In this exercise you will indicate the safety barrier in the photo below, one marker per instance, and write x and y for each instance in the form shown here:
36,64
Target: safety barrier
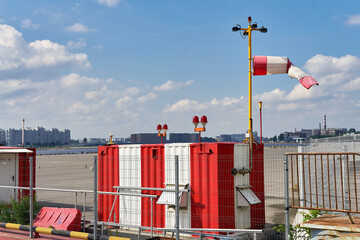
64,233
60,218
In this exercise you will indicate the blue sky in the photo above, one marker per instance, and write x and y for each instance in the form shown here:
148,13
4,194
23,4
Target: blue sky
124,66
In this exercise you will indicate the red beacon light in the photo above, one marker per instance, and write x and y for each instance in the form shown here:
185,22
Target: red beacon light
195,121
159,128
200,129
204,121
165,128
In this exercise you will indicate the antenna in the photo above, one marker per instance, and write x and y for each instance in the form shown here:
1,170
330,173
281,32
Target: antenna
23,133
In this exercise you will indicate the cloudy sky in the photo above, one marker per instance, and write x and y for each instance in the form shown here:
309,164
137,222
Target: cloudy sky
124,66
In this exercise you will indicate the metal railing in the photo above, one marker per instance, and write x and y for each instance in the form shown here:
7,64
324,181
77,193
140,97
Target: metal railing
322,181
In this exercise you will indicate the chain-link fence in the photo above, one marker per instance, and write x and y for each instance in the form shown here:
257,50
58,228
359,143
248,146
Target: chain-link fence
212,199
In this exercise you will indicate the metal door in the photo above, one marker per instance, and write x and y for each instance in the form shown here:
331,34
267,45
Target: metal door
7,176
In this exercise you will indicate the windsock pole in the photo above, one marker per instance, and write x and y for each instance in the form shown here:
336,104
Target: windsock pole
247,32
251,137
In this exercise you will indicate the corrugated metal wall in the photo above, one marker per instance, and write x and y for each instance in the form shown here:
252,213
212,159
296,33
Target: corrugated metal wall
257,211
152,175
212,185
130,176
183,151
108,176
241,160
24,171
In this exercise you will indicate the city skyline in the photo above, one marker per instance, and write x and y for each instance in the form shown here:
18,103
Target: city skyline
97,67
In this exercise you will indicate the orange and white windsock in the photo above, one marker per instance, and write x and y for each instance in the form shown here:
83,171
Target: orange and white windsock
266,65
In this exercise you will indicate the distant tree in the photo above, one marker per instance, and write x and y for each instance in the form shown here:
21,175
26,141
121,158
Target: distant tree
274,139
281,137
85,140
208,139
352,130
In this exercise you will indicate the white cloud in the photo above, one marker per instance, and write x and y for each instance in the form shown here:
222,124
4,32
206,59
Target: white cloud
185,105
74,80
11,85
287,106
274,95
17,54
79,28
300,93
355,103
354,20
324,65
81,43
352,85
123,102
91,94
47,53
171,85
131,91
148,97
109,3
226,101
26,23
79,108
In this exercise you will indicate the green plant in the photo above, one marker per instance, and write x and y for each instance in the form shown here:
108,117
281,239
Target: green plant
5,212
297,232
18,211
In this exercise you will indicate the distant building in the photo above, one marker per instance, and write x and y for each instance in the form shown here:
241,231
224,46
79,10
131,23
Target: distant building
292,136
97,141
316,132
38,137
333,131
307,132
183,137
225,138
236,137
2,136
149,138
146,138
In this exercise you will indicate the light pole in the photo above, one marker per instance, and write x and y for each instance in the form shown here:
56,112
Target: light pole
164,128
247,32
260,108
196,123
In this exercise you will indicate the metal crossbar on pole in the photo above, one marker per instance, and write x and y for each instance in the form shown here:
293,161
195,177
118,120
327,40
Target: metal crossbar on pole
31,196
95,198
286,185
177,226
152,189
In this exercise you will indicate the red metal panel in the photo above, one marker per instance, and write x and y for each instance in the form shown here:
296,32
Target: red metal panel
212,185
108,176
24,171
257,211
152,175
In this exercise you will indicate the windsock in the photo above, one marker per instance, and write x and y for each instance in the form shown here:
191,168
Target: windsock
266,65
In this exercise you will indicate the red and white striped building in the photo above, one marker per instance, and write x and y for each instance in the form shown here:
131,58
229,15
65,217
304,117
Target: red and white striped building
216,197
